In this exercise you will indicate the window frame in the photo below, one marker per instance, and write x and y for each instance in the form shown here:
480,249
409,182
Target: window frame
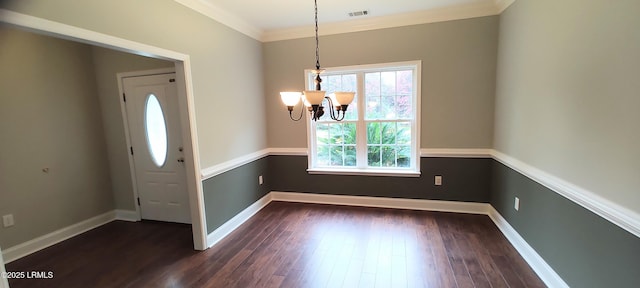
360,70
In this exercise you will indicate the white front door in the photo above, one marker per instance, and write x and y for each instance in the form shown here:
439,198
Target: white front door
156,140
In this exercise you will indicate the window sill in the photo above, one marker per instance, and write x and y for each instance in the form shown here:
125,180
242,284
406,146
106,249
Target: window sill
364,172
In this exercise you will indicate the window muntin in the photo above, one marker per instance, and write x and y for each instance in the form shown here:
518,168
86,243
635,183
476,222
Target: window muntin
381,137
336,144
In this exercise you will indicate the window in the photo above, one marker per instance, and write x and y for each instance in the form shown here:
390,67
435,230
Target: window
379,134
155,130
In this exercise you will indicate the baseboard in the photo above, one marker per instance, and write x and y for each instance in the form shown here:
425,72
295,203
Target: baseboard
544,271
16,252
613,212
4,283
396,203
235,222
127,215
382,202
537,263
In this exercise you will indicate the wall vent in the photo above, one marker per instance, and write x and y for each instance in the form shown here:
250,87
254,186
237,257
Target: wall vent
359,13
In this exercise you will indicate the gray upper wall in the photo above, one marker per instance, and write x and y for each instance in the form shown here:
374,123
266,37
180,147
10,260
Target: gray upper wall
458,77
226,65
49,118
567,92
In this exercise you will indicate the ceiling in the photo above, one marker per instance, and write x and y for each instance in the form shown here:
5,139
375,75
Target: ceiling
269,20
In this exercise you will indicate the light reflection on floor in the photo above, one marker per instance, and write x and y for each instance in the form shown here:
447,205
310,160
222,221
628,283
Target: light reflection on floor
344,249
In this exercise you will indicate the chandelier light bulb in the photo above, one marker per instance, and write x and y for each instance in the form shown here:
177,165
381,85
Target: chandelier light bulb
290,99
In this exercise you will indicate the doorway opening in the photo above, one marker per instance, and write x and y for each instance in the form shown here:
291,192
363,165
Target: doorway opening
185,99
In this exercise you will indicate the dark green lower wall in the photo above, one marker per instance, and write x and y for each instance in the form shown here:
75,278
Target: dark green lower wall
229,193
464,179
583,248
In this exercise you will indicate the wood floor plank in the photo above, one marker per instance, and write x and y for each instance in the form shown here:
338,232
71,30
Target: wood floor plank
444,269
510,276
291,245
470,258
274,282
353,273
486,263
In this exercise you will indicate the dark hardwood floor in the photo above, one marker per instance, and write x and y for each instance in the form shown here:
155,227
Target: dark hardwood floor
291,245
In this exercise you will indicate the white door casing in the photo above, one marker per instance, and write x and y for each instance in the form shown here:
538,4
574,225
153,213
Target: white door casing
160,180
3,280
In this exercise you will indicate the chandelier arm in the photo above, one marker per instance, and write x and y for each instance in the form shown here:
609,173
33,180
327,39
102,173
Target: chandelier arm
337,117
301,113
331,112
335,114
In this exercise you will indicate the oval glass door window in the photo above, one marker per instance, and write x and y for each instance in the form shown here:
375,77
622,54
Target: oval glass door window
155,130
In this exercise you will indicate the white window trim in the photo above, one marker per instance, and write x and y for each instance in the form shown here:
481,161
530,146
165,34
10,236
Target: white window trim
414,170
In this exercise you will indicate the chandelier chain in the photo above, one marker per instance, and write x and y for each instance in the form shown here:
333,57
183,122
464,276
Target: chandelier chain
317,41
315,107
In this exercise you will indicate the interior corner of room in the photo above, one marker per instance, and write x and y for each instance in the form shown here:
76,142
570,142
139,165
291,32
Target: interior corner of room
527,116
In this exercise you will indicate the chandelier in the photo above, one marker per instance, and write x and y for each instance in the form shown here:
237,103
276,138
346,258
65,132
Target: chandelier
312,99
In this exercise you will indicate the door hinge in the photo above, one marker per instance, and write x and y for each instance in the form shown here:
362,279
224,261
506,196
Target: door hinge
138,201
172,80
131,148
124,97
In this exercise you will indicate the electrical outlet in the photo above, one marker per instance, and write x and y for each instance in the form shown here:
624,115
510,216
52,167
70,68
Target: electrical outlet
7,220
260,180
516,204
438,180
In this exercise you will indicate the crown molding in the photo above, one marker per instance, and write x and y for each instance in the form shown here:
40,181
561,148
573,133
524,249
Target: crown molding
228,19
373,23
458,12
503,5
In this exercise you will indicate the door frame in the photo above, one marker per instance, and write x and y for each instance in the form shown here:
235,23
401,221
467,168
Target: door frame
127,132
184,85
4,283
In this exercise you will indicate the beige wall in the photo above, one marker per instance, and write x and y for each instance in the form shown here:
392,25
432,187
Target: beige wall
458,77
226,65
107,64
49,118
567,94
